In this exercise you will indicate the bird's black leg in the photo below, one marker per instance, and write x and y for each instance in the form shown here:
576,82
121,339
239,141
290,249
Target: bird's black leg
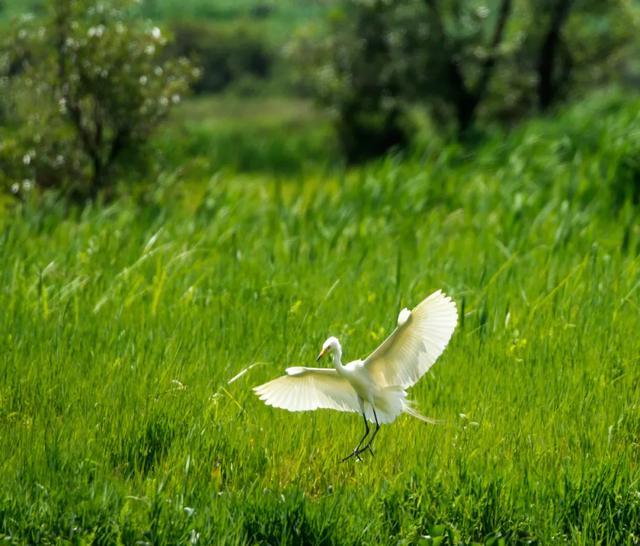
366,432
357,450
368,446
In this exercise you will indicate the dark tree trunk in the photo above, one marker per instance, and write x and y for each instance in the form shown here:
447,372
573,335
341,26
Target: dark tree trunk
98,177
465,102
548,83
364,134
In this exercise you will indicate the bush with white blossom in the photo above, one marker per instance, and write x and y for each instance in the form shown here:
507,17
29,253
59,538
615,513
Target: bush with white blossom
83,90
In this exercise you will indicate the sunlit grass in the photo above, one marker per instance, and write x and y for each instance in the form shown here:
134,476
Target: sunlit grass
122,326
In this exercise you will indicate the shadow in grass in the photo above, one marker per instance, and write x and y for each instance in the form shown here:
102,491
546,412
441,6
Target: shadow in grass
601,508
144,448
284,519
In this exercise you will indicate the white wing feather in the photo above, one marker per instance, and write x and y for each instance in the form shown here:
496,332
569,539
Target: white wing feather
304,389
413,347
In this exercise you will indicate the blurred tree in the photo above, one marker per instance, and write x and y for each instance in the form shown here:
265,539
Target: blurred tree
562,48
381,57
356,70
464,84
584,44
494,59
91,85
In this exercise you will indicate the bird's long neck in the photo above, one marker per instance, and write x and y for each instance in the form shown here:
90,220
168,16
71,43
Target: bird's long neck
336,355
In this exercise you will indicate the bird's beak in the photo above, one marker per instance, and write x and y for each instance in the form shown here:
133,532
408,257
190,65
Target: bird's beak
322,353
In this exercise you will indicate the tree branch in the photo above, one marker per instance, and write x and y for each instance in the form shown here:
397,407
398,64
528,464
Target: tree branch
486,70
460,93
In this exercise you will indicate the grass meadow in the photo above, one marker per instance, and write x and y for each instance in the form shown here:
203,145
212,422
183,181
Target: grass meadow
131,335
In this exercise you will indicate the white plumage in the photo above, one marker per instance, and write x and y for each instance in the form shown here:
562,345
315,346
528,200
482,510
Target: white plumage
304,389
414,346
376,386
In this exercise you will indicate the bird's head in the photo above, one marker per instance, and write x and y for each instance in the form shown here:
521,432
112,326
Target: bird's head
330,345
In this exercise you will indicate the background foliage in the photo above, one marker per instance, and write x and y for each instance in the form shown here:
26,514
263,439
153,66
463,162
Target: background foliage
463,62
229,238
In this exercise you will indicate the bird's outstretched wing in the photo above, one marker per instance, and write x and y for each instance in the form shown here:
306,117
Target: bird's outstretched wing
421,336
304,389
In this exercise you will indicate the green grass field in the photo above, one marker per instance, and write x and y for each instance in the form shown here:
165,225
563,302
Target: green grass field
122,326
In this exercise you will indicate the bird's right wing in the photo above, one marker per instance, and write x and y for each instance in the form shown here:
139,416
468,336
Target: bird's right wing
304,389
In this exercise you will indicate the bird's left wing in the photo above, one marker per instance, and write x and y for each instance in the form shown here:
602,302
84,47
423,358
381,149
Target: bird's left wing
304,389
413,347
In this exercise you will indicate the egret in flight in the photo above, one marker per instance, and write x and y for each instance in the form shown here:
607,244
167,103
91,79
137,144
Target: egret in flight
376,386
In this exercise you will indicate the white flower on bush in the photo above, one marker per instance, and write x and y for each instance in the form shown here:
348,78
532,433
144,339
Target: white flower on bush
96,32
26,158
96,61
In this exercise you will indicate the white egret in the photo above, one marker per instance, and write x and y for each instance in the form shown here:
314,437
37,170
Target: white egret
376,386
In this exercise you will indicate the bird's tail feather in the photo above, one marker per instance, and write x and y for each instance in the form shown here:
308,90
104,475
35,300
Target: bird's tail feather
415,413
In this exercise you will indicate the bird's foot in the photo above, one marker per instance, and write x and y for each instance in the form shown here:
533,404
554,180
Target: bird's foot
356,453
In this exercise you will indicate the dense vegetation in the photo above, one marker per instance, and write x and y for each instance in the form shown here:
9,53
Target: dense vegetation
226,239
124,326
468,64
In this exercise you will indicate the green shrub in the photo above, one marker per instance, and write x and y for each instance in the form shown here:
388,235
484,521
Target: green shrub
226,53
